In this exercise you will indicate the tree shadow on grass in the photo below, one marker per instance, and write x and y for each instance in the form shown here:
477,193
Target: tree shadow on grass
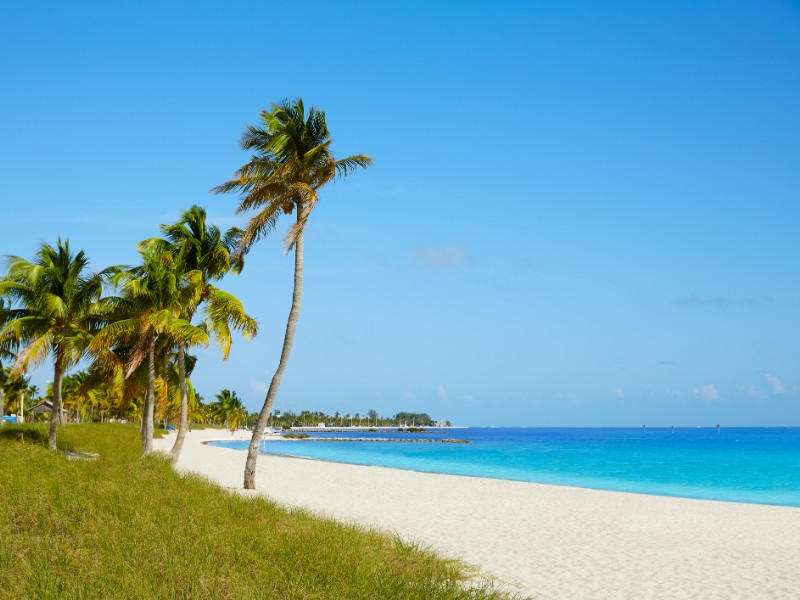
38,434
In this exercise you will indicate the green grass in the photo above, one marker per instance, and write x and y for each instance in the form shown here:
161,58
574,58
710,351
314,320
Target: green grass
126,527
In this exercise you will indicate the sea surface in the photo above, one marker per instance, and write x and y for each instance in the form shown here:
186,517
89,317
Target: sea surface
757,465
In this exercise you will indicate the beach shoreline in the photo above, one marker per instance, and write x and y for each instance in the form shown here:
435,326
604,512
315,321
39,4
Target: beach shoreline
545,540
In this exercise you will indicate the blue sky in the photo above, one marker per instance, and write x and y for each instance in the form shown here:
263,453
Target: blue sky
579,213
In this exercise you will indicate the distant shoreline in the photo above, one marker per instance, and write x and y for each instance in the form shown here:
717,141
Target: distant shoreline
372,428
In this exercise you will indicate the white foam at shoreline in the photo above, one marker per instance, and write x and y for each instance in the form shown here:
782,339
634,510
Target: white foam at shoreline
557,542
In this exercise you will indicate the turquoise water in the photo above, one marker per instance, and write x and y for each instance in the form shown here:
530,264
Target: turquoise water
740,465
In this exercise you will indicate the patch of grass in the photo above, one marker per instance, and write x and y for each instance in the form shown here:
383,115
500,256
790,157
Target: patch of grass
129,527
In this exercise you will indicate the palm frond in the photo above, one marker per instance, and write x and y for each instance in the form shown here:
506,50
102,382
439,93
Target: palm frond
225,312
33,355
345,166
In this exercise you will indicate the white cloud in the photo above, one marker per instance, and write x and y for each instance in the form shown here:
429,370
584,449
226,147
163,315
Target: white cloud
771,385
774,383
708,392
442,391
756,394
449,256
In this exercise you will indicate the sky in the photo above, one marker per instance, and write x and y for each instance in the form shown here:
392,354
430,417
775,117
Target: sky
579,213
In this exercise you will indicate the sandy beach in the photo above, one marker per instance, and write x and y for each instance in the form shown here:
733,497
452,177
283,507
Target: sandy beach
550,542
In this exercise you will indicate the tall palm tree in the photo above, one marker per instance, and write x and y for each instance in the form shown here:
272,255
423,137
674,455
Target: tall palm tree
205,255
291,161
149,311
54,311
228,409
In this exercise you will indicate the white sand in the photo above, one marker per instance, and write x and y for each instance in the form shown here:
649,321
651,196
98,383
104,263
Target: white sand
550,541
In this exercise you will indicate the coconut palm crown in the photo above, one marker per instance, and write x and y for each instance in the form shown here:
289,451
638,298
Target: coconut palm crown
228,409
291,161
202,255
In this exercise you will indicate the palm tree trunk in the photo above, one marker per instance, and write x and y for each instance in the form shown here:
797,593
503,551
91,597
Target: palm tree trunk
149,400
2,404
288,339
184,426
55,413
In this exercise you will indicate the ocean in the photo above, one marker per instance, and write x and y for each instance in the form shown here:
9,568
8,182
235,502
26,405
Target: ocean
757,465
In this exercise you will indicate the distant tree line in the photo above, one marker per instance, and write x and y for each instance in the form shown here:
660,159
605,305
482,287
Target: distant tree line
370,418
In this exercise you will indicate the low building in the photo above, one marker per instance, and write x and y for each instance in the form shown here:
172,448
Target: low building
46,407
43,408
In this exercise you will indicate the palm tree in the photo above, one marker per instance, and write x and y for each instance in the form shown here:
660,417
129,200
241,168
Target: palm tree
201,412
204,255
170,389
3,379
78,392
14,389
291,162
149,311
4,375
57,311
229,409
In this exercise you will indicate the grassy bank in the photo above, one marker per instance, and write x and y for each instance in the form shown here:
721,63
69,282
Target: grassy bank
125,527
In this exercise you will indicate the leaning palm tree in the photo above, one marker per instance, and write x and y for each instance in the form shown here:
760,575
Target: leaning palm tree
148,312
291,162
54,311
204,255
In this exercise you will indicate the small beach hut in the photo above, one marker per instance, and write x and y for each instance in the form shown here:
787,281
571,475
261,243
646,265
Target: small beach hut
45,407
